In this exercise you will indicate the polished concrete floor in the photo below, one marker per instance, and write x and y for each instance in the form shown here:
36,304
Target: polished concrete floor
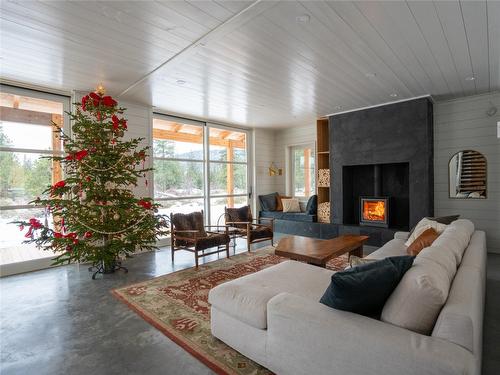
59,321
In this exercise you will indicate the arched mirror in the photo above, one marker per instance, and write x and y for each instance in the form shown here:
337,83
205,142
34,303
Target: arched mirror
467,175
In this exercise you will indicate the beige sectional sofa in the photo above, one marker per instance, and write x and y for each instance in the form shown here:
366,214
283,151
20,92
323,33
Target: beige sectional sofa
274,317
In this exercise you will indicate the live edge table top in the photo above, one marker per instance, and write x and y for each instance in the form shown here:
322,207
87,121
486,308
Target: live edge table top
318,252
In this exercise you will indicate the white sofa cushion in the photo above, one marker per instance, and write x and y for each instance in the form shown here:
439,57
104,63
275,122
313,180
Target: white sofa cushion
312,339
422,226
456,237
460,320
419,297
402,235
246,298
445,258
393,248
416,302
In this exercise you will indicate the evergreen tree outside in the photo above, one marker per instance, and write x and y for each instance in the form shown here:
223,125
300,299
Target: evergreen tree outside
97,218
6,164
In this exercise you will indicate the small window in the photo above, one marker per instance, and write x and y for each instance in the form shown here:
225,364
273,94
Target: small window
302,170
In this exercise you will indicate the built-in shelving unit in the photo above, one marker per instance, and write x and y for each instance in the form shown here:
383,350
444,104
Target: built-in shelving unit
323,163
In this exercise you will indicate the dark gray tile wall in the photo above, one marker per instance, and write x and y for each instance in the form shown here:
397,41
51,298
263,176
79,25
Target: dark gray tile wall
394,133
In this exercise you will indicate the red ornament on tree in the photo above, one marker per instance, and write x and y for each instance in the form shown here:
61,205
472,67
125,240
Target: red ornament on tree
145,204
108,101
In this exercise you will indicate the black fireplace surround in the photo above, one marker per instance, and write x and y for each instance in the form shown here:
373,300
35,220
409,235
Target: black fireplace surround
394,141
377,181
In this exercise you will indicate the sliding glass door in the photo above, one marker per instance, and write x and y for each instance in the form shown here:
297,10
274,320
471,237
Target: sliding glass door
199,166
179,164
28,122
228,169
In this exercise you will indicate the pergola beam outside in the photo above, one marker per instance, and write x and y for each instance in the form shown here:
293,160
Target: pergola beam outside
194,138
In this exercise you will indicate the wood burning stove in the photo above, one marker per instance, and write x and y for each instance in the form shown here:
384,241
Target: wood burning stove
374,211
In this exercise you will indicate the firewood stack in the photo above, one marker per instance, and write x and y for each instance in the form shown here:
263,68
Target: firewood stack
324,212
323,177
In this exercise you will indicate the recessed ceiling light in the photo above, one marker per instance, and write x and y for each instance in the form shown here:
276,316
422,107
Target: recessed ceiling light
471,78
393,95
304,18
180,82
370,75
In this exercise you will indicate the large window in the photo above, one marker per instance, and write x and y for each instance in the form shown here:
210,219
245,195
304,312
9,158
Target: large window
179,163
198,166
228,170
302,170
27,133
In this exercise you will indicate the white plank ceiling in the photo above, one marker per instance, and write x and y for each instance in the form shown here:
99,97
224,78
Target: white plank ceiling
259,64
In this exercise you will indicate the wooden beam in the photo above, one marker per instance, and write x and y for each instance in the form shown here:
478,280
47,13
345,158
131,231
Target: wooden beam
307,172
224,134
174,136
193,138
25,116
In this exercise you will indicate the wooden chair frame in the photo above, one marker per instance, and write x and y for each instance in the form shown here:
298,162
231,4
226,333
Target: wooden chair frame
236,232
193,241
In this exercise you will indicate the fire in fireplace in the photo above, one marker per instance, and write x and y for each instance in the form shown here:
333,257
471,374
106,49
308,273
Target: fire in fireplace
374,211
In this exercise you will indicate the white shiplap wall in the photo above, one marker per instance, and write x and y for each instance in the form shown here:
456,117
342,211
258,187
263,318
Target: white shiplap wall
284,139
139,119
459,125
263,155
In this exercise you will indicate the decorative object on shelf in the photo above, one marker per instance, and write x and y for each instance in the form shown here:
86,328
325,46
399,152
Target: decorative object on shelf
323,178
467,175
274,170
324,212
96,217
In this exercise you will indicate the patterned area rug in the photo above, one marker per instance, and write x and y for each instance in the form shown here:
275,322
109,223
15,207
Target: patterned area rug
177,305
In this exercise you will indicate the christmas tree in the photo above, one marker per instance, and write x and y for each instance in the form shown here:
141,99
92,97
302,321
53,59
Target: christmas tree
95,216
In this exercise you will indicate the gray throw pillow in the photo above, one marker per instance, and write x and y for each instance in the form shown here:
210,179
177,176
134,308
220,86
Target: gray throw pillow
268,202
312,205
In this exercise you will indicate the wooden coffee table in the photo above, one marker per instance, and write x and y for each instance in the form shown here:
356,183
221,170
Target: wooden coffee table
319,252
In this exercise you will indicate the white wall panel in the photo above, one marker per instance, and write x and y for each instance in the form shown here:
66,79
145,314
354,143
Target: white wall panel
463,124
284,139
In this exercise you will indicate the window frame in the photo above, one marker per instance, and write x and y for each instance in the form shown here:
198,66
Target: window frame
66,101
290,189
247,162
207,195
66,126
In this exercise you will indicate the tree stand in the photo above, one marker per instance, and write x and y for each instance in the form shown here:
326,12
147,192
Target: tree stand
106,268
